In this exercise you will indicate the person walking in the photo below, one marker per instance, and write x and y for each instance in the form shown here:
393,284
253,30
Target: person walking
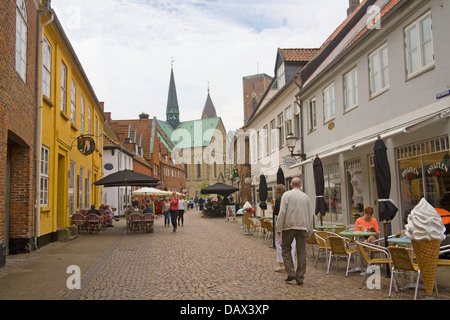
181,209
279,191
295,221
165,210
174,210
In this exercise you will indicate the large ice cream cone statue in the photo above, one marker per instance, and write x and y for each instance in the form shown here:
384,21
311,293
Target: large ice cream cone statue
427,254
426,231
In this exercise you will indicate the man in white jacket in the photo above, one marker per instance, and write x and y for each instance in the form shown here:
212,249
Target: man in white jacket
295,221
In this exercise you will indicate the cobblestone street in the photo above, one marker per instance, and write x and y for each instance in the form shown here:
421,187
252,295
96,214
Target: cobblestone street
206,259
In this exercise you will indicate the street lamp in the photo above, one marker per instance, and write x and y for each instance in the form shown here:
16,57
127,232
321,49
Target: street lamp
290,141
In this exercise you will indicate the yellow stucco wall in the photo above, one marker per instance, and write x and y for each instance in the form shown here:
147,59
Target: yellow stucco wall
59,135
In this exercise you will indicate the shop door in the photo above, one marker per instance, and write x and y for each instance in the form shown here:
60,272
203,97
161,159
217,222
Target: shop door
8,192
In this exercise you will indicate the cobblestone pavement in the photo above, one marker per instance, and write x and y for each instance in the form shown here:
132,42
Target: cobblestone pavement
206,259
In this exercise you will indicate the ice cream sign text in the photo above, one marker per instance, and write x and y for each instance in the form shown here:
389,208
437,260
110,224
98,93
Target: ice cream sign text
409,172
437,167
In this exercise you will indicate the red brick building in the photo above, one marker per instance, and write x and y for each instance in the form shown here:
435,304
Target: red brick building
18,113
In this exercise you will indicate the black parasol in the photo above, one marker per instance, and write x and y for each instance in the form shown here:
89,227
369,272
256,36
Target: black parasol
220,189
127,178
280,177
319,181
386,208
262,192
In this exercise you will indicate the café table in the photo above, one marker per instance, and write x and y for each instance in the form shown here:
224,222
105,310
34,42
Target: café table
400,241
331,227
358,234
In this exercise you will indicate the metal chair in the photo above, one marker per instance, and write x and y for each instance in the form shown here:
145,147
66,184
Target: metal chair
338,249
362,246
323,243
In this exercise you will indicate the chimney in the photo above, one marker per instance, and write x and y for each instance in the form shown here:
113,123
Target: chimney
353,4
143,116
102,106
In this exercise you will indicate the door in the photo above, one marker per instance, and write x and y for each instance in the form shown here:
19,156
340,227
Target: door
61,193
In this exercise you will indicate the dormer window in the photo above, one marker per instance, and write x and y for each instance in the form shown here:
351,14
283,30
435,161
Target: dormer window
281,79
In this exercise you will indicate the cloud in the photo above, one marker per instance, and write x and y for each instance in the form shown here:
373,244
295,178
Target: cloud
126,48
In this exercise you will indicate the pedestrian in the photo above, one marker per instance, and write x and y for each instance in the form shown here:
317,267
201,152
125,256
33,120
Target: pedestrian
181,209
196,202
279,190
165,210
295,221
174,210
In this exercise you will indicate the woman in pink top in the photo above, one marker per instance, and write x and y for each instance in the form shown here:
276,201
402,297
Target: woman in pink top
368,223
174,210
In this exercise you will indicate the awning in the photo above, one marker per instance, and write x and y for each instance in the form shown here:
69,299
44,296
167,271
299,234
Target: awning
443,114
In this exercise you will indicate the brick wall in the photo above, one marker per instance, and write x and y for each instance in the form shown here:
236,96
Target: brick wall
17,128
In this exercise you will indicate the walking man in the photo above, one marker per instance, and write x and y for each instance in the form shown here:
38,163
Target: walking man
295,221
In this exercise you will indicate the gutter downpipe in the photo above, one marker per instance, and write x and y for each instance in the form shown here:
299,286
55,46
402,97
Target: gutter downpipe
38,137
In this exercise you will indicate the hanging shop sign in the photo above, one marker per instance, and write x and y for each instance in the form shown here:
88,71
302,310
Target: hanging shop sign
86,145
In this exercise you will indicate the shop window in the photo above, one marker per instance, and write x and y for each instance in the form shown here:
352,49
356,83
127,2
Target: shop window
332,193
424,171
355,188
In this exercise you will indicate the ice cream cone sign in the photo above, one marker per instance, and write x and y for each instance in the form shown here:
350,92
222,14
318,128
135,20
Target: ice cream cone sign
426,231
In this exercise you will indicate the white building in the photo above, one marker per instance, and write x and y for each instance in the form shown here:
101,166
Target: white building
383,72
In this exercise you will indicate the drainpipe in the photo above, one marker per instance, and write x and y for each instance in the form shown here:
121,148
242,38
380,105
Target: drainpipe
38,137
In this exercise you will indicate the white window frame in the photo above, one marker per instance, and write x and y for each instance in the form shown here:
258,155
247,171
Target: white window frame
329,103
273,135
87,195
297,120
46,68
281,78
416,29
44,177
72,188
280,126
260,144
81,198
266,140
288,128
90,121
351,90
63,88
379,70
82,106
21,39
312,114
73,102
253,148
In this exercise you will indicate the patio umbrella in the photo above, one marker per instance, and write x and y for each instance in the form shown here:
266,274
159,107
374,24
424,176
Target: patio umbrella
280,177
220,189
146,191
386,208
127,178
262,192
319,181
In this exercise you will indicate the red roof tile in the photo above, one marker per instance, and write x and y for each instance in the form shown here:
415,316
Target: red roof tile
298,54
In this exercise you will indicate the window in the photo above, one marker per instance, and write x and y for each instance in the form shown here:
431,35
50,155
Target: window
354,188
312,119
328,103
43,188
351,90
260,144
281,80
63,88
46,67
73,107
87,199
280,125
81,189
297,120
273,135
379,70
82,114
89,121
419,45
72,188
21,38
288,121
199,170
96,132
266,140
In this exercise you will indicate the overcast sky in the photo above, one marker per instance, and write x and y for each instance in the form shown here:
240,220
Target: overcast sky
126,48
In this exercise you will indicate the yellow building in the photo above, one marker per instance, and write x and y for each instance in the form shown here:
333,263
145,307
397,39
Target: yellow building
71,119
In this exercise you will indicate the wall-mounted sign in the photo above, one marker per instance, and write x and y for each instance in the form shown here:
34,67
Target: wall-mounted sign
442,94
86,145
108,166
331,126
289,161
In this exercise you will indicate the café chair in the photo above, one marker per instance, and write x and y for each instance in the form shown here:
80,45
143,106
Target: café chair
269,229
254,225
444,250
147,221
93,222
312,242
363,248
323,243
79,220
135,222
403,263
338,248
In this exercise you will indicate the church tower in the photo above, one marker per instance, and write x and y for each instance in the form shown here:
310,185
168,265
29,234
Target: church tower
172,110
209,111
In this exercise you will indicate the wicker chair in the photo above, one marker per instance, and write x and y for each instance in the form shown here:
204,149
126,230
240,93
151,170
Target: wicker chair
93,223
79,220
147,221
